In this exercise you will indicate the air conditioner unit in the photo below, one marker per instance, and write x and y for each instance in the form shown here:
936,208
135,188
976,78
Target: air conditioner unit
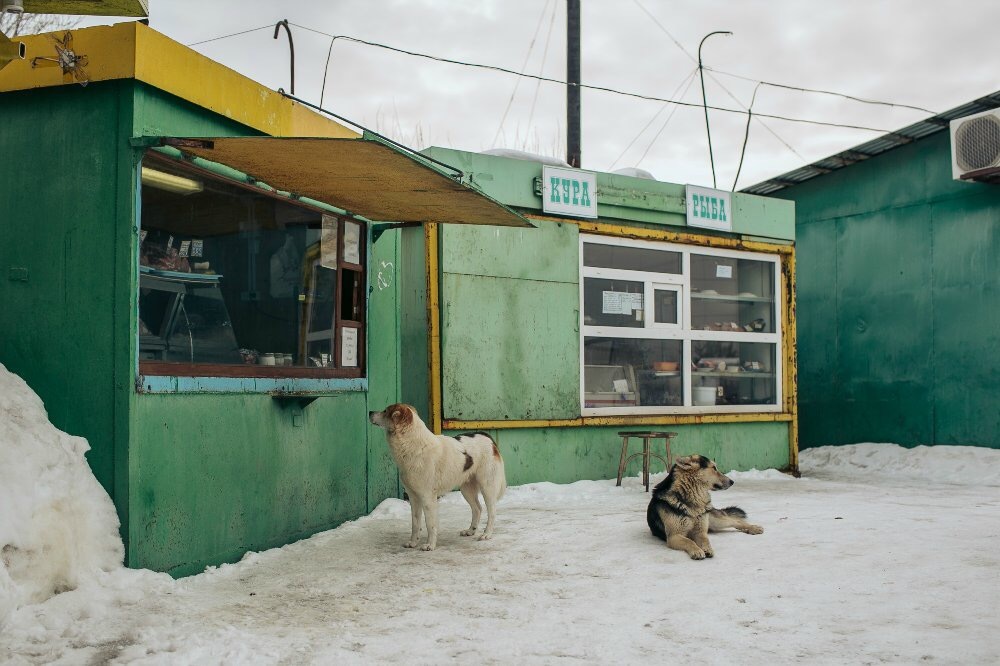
975,146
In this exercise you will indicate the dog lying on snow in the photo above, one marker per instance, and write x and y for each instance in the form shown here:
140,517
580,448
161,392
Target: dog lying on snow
681,513
431,465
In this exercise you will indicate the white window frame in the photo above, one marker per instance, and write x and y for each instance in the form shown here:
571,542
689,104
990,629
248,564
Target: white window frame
682,331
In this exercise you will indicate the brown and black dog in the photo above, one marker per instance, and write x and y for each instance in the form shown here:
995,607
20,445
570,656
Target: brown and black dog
681,513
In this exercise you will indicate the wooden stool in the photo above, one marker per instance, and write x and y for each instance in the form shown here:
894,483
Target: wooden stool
646,454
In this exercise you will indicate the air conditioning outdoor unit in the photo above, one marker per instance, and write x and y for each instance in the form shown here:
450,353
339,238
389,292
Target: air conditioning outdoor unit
975,146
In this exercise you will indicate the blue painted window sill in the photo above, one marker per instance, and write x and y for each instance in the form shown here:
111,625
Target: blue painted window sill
250,385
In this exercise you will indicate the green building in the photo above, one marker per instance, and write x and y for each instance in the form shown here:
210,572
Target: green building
214,285
897,298
633,305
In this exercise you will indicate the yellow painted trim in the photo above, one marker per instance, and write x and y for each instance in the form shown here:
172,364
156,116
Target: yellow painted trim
659,419
643,233
791,364
136,51
433,324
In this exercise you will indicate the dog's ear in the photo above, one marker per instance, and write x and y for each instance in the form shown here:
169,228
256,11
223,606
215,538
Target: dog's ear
687,463
397,414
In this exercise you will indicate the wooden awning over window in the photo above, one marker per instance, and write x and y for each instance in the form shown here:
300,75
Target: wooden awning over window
365,176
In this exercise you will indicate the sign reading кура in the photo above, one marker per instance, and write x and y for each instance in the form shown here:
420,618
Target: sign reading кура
569,192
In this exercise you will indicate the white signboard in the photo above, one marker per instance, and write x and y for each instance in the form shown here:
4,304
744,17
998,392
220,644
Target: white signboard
709,209
569,192
349,347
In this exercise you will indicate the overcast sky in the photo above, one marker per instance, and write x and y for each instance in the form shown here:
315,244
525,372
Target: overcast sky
933,55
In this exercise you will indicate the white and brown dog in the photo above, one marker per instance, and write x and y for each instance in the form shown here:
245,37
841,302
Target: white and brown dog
431,465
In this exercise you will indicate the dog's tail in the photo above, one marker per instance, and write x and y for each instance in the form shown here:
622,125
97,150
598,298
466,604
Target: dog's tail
733,512
501,472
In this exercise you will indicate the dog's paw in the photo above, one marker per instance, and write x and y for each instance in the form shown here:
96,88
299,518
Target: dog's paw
709,553
754,529
698,554
469,532
410,544
485,537
427,546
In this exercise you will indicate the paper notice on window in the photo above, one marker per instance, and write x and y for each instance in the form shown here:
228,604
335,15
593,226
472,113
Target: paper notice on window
185,248
723,271
328,242
352,242
616,302
621,385
197,248
636,301
349,347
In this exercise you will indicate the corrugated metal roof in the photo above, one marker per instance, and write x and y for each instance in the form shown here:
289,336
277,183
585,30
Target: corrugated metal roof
874,147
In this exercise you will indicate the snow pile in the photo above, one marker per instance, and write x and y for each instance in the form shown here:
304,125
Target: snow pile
58,527
963,465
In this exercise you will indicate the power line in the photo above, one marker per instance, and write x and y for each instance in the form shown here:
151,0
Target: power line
651,98
686,80
524,65
656,137
232,34
726,90
503,70
823,92
541,67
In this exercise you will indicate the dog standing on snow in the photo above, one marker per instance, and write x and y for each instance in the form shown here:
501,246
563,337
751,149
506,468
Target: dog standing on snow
680,511
431,465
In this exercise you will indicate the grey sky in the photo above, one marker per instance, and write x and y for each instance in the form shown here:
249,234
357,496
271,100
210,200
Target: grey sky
928,54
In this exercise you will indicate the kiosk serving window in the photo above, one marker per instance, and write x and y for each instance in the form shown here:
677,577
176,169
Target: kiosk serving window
237,281
669,328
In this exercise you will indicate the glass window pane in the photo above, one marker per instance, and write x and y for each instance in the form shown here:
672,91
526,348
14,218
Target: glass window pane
732,294
631,258
733,373
665,306
613,302
233,276
624,372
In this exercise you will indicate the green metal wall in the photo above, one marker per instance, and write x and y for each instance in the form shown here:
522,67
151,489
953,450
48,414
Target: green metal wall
197,478
510,322
65,212
898,287
567,454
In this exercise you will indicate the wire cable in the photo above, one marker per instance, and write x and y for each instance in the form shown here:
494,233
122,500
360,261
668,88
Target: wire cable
686,80
666,122
541,68
651,98
524,65
232,34
823,92
746,134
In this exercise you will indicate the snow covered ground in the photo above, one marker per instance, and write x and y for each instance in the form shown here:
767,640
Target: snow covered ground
878,554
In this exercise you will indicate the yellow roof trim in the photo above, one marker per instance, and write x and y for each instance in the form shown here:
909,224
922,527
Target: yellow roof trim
365,176
136,51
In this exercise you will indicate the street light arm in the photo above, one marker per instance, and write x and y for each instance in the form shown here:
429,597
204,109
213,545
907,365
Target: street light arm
704,103
291,46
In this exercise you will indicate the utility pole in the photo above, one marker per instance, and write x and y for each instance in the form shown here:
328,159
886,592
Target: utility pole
573,83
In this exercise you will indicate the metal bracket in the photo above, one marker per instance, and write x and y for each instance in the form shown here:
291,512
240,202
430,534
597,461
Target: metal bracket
379,229
286,400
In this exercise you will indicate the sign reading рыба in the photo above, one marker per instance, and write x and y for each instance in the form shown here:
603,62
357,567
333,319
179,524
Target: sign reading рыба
709,209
